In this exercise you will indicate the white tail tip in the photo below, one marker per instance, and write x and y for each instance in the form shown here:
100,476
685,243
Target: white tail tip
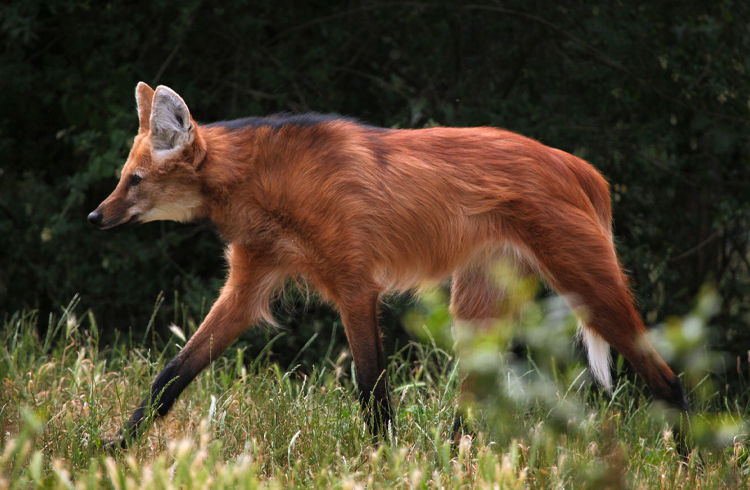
598,353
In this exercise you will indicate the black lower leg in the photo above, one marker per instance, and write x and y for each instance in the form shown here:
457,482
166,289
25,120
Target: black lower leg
378,412
460,428
167,386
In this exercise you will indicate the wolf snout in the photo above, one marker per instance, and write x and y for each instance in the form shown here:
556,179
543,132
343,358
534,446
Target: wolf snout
95,218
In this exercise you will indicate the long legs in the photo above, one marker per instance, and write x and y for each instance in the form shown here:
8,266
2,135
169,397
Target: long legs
359,312
478,300
243,300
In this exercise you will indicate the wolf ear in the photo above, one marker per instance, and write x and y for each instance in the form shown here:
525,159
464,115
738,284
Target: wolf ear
144,96
171,125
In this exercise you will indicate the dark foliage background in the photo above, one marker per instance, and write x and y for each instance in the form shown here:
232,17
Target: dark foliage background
655,94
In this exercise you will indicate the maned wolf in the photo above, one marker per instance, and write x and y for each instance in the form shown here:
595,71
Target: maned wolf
359,211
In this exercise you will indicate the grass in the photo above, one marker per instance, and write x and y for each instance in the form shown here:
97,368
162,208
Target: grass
252,425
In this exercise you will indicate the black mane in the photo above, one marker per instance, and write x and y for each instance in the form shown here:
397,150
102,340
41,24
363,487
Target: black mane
278,121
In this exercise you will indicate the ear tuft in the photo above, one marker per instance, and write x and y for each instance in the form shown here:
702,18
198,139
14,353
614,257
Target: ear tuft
144,96
171,126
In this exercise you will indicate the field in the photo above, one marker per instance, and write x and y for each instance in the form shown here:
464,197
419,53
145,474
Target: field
245,423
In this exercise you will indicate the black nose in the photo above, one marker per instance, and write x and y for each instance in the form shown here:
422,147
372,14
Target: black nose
95,218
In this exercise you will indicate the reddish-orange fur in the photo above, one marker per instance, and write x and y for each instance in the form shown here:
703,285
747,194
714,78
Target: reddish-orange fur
359,211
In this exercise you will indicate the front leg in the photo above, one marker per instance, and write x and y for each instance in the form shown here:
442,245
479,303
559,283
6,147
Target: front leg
360,317
243,300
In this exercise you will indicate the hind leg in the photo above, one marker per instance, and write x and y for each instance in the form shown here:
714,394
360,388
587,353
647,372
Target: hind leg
478,301
579,261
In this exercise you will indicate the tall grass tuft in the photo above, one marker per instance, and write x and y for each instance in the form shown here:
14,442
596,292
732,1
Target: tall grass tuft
537,420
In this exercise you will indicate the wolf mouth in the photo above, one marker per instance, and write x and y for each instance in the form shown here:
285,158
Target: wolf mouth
132,221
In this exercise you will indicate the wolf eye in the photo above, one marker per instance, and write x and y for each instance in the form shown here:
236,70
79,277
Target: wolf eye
134,180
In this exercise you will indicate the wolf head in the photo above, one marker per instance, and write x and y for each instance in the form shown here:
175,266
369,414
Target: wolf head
160,179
